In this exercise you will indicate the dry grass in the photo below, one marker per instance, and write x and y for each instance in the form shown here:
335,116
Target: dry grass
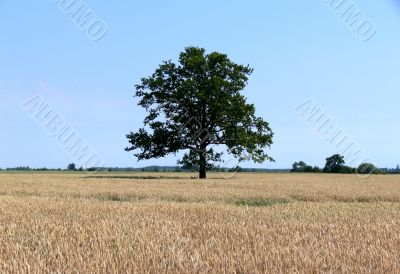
252,223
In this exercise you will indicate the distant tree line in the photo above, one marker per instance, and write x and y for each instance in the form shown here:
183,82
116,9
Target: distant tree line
73,167
27,168
334,164
391,170
303,167
337,164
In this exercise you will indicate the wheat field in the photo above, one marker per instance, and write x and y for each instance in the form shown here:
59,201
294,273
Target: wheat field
250,223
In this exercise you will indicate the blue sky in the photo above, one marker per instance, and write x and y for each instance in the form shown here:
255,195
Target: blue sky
300,50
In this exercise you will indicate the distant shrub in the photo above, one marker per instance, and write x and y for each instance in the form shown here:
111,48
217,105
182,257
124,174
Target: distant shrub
347,170
303,167
368,168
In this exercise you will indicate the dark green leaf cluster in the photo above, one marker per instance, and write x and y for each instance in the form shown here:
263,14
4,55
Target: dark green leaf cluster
368,168
334,164
303,167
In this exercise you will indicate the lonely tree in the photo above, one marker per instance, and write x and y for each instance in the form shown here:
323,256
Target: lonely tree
196,105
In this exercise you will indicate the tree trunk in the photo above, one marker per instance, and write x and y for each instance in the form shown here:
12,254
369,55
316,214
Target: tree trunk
203,165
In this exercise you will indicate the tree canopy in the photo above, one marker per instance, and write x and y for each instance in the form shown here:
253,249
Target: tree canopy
303,167
195,105
334,164
71,166
368,168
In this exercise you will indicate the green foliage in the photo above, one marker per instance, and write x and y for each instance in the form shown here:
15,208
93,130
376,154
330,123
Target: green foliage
303,167
368,168
347,170
21,168
71,167
196,105
334,164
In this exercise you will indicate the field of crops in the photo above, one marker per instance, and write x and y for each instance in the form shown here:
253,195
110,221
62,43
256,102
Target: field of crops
251,223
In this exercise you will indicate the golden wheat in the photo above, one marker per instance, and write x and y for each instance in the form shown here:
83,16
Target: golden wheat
251,223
